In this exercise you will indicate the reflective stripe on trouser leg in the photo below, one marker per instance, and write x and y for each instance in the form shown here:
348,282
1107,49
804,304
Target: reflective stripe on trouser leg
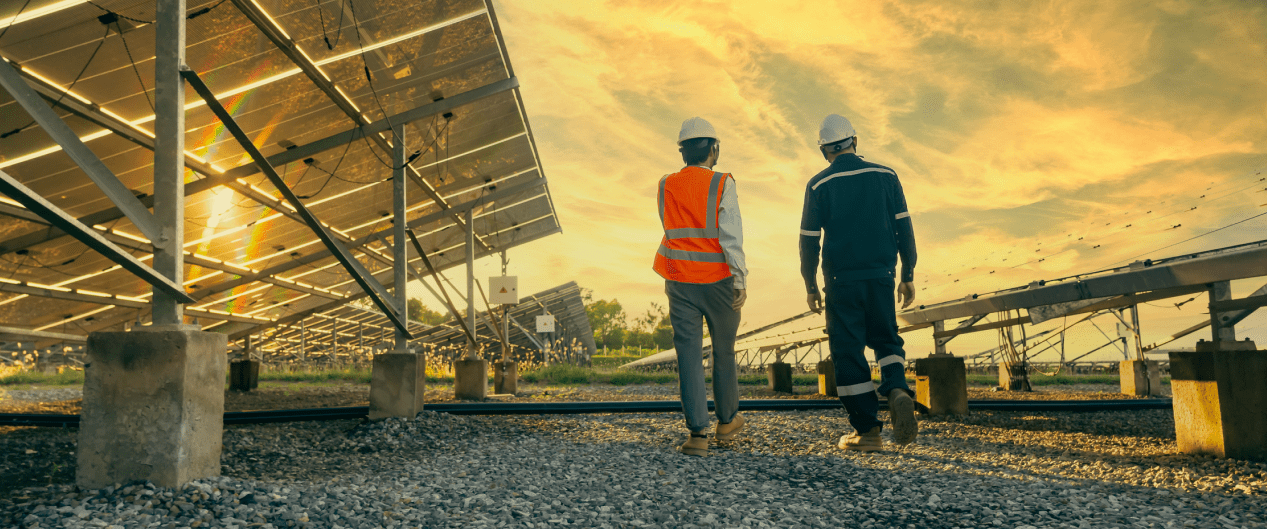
882,336
846,337
856,389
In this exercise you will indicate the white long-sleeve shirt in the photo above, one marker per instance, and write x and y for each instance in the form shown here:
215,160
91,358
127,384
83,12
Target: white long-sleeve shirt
730,224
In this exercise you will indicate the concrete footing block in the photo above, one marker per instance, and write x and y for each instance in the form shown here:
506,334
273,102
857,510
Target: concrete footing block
1140,377
827,378
470,379
1220,403
941,384
398,383
505,377
780,376
153,407
244,375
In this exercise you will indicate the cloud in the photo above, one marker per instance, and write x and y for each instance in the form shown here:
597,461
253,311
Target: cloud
1017,129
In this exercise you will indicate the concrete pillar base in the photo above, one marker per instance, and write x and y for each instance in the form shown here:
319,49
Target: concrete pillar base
1013,377
470,379
244,375
941,384
505,377
1140,377
1219,403
827,378
153,407
780,376
398,383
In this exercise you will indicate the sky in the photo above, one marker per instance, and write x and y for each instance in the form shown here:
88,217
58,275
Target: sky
1034,140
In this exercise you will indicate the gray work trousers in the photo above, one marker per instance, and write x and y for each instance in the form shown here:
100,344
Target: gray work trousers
690,305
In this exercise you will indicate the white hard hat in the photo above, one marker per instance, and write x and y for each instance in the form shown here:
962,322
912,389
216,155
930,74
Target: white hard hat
835,128
696,127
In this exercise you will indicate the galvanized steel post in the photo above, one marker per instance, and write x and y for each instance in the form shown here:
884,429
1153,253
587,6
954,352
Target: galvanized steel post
470,281
169,156
400,252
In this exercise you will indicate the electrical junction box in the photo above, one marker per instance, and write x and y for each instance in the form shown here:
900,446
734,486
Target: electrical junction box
503,290
545,323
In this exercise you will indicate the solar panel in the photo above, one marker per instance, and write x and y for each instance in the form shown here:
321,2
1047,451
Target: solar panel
322,115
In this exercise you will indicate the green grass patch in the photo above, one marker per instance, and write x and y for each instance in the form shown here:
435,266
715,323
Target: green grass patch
560,374
65,378
625,378
612,361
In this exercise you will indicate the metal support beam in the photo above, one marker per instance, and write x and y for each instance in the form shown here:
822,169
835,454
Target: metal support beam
444,293
169,158
55,216
1219,322
941,342
354,268
87,161
939,346
400,252
470,282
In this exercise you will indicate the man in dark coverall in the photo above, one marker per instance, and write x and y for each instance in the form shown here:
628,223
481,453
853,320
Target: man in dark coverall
858,210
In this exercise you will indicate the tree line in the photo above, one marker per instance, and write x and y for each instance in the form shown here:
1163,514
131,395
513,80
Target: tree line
615,329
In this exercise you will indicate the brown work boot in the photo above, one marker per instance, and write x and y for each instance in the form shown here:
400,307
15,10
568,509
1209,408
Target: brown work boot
695,445
864,442
902,417
730,430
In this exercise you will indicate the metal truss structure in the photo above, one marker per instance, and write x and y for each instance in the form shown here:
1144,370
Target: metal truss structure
352,330
1116,292
316,141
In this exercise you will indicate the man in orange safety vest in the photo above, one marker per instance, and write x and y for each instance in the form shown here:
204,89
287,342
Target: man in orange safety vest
702,262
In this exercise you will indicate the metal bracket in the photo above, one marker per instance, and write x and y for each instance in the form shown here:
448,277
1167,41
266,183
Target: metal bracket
363,277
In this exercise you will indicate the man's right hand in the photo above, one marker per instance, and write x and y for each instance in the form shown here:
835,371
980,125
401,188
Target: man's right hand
906,293
815,302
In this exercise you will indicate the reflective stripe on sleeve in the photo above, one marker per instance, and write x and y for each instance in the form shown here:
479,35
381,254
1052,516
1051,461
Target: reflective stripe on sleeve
699,257
902,215
851,173
891,359
809,233
685,233
856,389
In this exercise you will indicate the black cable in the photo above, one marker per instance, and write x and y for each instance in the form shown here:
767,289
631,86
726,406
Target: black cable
144,91
79,76
124,17
14,20
1195,237
203,11
325,35
369,80
331,173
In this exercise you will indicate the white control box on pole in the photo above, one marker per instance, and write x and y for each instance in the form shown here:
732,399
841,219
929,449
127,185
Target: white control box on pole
503,290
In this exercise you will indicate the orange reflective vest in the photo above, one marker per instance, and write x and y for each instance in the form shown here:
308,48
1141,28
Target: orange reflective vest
691,249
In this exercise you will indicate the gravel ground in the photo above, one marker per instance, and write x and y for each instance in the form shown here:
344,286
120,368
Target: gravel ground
988,469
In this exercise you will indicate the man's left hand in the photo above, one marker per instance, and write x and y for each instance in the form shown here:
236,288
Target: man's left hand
906,293
741,295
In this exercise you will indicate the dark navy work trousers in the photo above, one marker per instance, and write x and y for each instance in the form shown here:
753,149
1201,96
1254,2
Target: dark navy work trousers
861,313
